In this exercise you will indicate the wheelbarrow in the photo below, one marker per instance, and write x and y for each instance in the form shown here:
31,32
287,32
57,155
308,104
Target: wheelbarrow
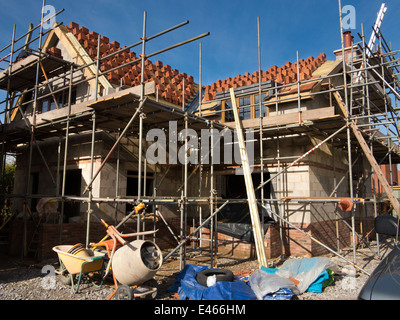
77,260
132,263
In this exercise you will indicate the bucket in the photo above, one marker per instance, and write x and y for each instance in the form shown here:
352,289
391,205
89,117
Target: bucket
136,262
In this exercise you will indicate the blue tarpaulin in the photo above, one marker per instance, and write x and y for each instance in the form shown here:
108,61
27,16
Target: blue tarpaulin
189,289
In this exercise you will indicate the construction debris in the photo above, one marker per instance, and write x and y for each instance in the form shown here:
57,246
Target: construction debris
294,277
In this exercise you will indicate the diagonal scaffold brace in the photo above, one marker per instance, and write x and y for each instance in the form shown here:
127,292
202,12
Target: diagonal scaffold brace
138,111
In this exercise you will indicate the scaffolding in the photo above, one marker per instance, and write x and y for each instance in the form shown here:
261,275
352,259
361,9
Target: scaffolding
369,93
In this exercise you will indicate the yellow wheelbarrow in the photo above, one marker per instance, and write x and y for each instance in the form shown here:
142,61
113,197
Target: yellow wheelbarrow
78,260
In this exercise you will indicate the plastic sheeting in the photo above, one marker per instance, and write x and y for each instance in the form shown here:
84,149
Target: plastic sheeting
235,221
263,283
323,280
242,231
306,270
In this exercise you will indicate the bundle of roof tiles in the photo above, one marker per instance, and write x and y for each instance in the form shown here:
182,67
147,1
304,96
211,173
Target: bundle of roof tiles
285,74
170,82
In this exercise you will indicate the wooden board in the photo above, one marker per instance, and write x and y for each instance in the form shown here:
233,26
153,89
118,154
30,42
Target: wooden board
251,196
23,73
286,119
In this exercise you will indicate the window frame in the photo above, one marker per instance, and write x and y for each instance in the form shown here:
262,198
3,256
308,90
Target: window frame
48,103
227,116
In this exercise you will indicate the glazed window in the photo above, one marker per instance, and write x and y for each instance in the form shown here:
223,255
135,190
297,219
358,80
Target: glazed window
257,106
229,114
248,108
244,112
49,103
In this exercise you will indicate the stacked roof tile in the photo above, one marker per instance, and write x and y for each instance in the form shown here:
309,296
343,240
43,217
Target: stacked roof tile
286,74
168,81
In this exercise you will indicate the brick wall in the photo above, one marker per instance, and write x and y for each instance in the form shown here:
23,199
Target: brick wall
76,233
73,233
15,236
295,243
230,246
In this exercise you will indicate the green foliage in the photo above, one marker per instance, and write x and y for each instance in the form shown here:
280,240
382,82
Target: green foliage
5,213
9,174
8,182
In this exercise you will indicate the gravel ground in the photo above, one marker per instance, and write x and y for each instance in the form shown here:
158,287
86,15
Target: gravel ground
21,280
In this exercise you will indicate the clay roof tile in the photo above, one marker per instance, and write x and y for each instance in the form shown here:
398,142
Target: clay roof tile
285,74
161,73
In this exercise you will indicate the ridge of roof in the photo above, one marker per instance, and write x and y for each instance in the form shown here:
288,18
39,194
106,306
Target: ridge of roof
286,74
168,81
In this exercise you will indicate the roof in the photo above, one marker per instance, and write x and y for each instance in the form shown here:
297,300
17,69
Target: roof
168,81
285,74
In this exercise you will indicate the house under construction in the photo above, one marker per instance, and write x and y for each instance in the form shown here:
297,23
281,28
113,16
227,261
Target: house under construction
79,109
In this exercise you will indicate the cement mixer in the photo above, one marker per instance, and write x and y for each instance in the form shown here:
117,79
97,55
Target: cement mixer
136,262
132,263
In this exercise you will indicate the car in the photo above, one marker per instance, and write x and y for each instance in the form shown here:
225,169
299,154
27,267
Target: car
384,282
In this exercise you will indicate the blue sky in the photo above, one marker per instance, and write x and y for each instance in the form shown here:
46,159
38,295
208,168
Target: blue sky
307,26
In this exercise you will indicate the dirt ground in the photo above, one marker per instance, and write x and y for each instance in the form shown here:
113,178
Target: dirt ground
23,279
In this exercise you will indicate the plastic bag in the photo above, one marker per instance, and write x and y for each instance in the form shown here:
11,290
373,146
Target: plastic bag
305,270
263,283
211,281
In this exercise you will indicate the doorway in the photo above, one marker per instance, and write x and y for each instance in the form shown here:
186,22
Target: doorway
73,183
